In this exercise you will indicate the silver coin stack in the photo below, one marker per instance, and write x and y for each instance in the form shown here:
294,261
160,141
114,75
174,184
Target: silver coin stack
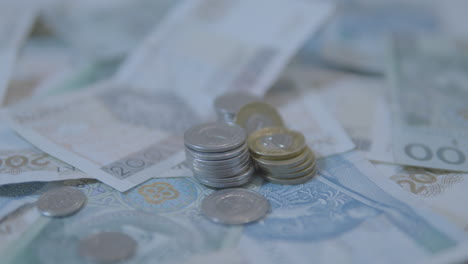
218,156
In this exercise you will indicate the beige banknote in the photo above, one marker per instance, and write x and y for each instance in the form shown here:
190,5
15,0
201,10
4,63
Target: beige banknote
16,20
128,130
216,46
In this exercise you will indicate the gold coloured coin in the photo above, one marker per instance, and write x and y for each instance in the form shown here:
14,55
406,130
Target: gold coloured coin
258,115
292,181
276,143
305,155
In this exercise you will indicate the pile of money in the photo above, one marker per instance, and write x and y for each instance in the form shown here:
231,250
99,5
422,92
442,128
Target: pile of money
282,155
229,104
257,115
218,156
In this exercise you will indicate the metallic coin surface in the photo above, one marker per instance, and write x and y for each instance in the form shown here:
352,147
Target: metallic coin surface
107,247
235,206
228,105
61,201
258,115
219,164
216,155
276,143
293,181
214,137
294,172
287,163
246,178
225,172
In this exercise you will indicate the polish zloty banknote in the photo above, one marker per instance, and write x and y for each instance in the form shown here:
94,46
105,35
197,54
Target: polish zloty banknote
16,20
341,216
319,221
161,215
22,162
429,88
217,46
351,99
443,191
118,134
324,135
124,134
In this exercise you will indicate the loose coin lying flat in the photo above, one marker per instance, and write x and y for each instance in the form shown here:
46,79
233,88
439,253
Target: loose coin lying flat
228,105
61,201
235,206
276,143
214,137
107,247
258,115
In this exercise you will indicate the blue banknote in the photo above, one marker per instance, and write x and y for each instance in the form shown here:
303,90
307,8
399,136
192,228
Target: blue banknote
340,216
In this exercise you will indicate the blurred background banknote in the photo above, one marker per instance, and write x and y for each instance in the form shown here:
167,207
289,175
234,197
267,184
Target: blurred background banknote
97,96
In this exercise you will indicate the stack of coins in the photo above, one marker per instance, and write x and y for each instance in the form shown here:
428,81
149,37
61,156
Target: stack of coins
218,156
282,155
228,105
258,115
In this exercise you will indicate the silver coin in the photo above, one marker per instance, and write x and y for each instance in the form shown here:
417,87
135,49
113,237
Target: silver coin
229,104
230,180
219,164
225,172
61,201
214,137
244,172
245,180
235,206
216,155
107,247
293,181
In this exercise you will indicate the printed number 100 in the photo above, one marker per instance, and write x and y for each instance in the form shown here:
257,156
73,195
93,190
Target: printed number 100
449,155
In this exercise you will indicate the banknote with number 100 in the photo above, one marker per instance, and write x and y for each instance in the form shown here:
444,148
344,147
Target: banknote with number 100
429,95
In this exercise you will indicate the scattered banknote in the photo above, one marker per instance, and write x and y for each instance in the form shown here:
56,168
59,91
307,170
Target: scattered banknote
351,99
357,37
429,94
443,191
124,134
16,20
103,29
163,217
38,60
220,46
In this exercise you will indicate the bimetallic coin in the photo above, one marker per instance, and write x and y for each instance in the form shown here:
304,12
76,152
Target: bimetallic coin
287,163
216,155
107,247
293,181
235,206
284,172
276,143
61,201
258,115
294,174
229,104
214,137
